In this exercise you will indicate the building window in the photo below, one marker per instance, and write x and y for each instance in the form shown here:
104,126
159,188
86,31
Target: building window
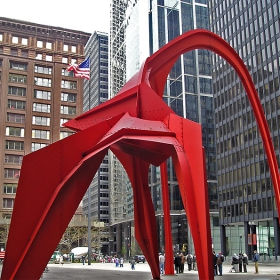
24,41
42,94
1,37
10,188
17,91
14,131
15,40
17,118
39,56
68,110
73,49
39,107
68,97
15,104
43,69
44,82
69,84
39,44
41,134
62,121
18,65
38,120
49,58
24,53
16,78
73,60
10,173
37,146
13,159
64,134
65,72
49,45
65,48
14,145
64,60
8,202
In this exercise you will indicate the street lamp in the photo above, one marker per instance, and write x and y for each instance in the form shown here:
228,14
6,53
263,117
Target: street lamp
240,239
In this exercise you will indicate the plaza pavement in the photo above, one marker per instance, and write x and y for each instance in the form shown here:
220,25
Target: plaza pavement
108,271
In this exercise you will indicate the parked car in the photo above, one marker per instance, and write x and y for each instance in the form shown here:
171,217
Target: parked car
140,258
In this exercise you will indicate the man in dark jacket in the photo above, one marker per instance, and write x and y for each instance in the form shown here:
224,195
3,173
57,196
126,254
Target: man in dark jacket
215,263
177,263
240,261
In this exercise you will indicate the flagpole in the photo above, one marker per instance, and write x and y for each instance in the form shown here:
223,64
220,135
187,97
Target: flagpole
89,202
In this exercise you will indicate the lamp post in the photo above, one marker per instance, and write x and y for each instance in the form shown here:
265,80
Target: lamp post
240,240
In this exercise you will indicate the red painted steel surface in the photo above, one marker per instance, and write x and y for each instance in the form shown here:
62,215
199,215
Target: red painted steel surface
140,129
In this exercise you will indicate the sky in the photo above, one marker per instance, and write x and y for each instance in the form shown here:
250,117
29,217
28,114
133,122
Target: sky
87,15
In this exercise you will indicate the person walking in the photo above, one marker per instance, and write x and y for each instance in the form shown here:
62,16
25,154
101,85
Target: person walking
177,263
183,260
256,259
245,262
189,261
215,263
121,262
132,262
194,262
220,261
161,263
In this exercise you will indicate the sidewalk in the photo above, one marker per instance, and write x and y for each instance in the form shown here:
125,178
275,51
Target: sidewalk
108,271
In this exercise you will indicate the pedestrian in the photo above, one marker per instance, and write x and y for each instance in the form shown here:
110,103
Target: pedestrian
220,261
194,262
215,263
117,261
121,262
245,262
183,260
61,260
83,260
177,263
189,261
132,262
240,260
256,259
161,263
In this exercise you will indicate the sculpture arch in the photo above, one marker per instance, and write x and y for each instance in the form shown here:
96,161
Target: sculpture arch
140,129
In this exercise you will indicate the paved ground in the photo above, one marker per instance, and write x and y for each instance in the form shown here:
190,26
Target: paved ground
108,271
142,272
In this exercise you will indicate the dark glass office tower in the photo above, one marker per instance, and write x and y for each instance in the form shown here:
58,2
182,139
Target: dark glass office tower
248,216
96,93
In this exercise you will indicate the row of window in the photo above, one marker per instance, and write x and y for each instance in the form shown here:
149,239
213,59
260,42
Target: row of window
42,94
36,133
45,82
256,206
37,120
40,107
40,43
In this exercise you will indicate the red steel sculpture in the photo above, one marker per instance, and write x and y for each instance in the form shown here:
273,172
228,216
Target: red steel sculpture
140,129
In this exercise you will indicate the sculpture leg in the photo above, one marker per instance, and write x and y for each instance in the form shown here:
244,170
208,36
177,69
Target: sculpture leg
144,217
190,170
169,262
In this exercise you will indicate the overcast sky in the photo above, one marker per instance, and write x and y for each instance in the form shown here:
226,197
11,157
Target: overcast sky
86,15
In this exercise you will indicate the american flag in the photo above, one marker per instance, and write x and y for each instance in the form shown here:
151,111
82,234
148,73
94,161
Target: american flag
80,71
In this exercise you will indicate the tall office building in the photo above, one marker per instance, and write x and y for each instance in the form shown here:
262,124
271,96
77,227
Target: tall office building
96,93
248,215
149,25
37,94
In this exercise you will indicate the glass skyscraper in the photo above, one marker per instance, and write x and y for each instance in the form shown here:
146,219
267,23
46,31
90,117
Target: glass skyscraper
248,215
